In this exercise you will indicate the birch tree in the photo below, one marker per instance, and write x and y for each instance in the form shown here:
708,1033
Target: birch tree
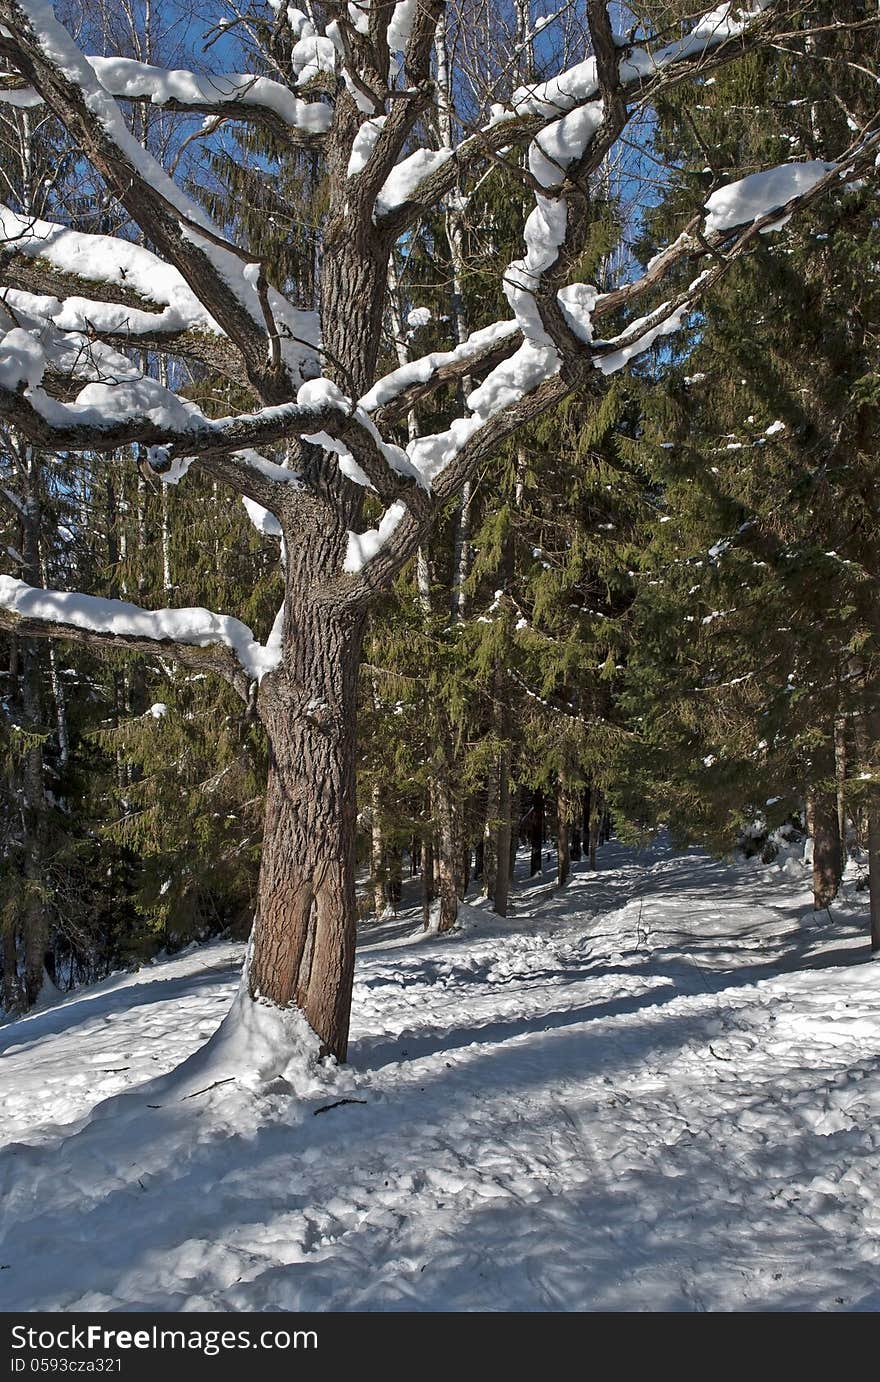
320,448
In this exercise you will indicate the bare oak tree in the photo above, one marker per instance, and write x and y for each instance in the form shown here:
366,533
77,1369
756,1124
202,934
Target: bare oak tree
359,83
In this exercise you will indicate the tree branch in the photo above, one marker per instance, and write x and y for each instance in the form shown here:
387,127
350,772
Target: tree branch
231,95
196,638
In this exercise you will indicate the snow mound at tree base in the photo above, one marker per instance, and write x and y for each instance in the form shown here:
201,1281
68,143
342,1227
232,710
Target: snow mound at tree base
255,1044
258,1047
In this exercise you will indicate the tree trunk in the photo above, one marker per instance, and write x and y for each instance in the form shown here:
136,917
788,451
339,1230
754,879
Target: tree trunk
562,838
304,932
516,796
826,849
12,994
32,910
394,887
427,881
501,893
490,833
536,861
595,824
479,857
867,735
377,851
874,867
840,775
448,853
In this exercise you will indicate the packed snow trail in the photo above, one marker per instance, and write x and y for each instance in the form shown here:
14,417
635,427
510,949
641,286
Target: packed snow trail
655,1090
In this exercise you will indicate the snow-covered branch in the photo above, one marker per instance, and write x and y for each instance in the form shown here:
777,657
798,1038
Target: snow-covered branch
197,638
225,280
231,95
533,378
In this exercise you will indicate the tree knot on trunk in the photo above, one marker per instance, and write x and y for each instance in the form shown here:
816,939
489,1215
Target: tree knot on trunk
318,713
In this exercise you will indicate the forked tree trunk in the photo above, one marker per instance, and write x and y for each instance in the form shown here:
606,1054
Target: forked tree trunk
304,932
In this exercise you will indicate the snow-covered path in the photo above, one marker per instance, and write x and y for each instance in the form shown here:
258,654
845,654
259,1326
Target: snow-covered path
656,1090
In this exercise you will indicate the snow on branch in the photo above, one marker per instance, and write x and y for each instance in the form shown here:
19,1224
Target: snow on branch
143,280
127,295
120,406
557,118
195,637
228,282
231,95
533,377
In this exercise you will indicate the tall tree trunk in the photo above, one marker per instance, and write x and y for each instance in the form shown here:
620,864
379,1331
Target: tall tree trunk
12,992
501,894
377,851
446,862
867,736
577,852
826,849
304,931
536,860
448,841
516,796
33,921
490,832
840,775
563,828
427,881
33,911
394,887
479,857
595,823
874,865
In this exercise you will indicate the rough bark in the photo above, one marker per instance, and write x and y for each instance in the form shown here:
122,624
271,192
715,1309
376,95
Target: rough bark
304,931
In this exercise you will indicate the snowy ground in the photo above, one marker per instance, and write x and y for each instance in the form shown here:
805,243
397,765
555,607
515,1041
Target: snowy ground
657,1090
